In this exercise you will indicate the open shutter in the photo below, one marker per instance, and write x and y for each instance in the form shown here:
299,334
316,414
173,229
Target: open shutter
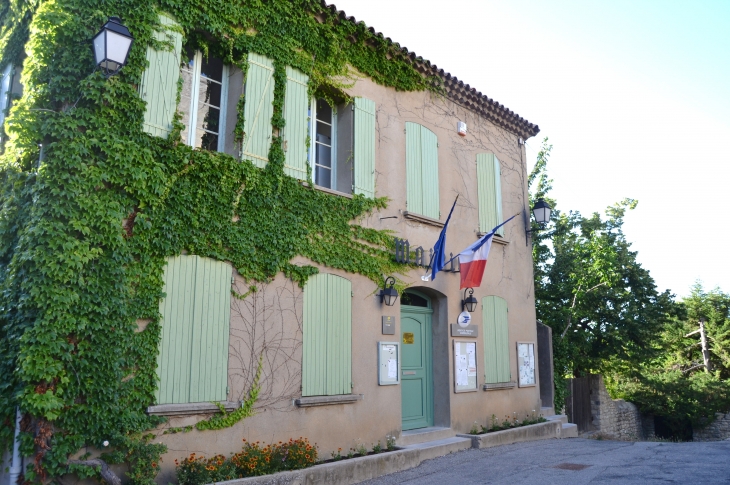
490,192
258,109
496,340
296,114
365,147
158,87
430,173
414,179
422,182
192,363
327,336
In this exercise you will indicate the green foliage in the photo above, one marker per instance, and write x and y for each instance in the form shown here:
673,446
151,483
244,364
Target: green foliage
226,419
83,238
601,304
675,386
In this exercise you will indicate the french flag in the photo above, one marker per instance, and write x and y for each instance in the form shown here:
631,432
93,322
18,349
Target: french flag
473,260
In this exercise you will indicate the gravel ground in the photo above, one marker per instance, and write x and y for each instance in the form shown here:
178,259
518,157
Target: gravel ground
576,461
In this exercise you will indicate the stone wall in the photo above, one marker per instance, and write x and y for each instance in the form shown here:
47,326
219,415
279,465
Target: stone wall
718,430
615,417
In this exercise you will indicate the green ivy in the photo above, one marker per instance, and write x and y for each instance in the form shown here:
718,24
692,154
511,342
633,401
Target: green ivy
83,238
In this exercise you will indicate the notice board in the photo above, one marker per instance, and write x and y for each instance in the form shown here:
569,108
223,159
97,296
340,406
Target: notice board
465,366
388,363
526,364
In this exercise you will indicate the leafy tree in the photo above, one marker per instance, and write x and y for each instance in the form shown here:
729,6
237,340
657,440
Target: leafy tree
675,385
601,304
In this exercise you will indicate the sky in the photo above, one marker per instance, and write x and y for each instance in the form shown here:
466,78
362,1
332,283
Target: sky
634,96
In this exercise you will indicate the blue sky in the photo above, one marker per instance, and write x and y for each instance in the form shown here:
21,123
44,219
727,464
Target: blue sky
634,96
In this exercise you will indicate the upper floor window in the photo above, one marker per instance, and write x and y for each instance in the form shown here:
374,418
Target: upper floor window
204,95
489,185
422,171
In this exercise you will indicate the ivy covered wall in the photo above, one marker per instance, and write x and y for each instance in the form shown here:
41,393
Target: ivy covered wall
84,233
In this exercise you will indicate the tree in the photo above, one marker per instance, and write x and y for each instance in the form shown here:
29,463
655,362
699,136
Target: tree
602,305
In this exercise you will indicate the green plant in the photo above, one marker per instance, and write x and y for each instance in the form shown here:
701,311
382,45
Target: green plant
336,456
361,450
377,448
474,428
390,443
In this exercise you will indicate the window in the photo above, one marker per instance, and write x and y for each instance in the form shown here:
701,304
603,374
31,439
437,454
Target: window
327,336
342,147
422,177
489,187
204,93
9,89
192,363
496,340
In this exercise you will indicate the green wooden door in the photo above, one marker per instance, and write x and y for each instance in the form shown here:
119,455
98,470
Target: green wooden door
416,368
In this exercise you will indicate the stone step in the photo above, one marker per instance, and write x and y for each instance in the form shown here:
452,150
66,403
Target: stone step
547,411
433,449
569,430
558,417
423,435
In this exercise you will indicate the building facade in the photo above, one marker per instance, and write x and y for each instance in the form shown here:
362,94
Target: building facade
336,364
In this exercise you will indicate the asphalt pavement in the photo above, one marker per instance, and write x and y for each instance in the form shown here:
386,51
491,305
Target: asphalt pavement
575,461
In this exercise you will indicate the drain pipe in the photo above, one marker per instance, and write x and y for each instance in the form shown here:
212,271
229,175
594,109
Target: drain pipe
15,466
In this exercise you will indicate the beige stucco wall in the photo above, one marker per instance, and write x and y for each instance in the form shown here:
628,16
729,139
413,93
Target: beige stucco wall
271,319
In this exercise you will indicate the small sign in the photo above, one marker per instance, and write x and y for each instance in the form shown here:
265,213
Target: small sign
468,331
408,338
464,319
388,325
388,363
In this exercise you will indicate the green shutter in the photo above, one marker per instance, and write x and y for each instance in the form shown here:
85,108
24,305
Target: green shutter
258,109
422,182
489,186
158,87
496,340
296,114
327,336
192,363
365,147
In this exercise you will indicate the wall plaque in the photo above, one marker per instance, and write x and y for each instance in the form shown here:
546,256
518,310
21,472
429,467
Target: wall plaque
408,338
468,331
388,325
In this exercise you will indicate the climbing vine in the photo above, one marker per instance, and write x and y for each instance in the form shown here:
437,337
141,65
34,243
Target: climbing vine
85,231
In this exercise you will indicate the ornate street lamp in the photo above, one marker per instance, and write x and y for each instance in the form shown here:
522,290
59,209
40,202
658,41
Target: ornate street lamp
111,46
469,303
389,294
541,211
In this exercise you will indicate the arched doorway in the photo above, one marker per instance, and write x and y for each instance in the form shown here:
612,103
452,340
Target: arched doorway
417,360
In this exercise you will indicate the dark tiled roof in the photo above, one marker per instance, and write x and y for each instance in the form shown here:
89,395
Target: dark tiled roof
461,93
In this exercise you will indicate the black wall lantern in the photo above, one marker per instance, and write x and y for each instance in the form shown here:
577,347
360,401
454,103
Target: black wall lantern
389,294
111,46
541,211
469,303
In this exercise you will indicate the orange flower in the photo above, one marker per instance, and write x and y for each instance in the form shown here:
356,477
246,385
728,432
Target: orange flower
154,465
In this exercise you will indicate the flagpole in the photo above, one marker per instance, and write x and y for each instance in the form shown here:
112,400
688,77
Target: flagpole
430,262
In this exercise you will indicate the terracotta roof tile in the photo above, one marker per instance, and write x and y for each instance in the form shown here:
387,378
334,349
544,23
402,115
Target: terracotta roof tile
456,89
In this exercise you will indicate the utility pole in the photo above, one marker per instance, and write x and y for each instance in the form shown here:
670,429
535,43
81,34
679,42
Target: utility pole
703,342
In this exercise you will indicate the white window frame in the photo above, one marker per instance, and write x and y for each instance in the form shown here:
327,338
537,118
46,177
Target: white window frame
313,145
6,88
195,93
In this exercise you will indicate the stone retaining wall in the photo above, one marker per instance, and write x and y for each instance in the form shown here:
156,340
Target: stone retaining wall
617,417
718,430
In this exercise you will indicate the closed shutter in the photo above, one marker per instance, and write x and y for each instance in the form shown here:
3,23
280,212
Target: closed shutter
489,181
496,340
158,87
296,115
327,336
192,363
258,109
422,183
364,147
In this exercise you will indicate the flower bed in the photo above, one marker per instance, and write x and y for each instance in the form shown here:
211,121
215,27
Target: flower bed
508,423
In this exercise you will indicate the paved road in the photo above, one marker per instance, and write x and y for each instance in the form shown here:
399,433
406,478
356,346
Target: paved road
575,461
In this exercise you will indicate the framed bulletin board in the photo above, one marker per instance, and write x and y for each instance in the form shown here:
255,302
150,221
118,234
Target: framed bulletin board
388,363
465,366
526,364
